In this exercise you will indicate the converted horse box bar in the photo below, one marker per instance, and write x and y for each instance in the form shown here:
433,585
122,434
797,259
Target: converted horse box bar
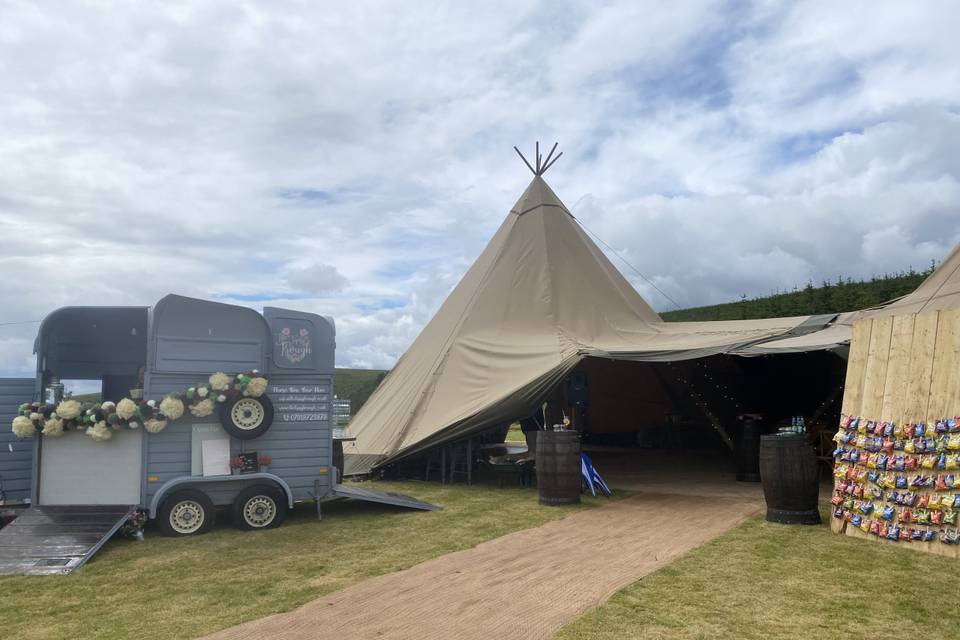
257,453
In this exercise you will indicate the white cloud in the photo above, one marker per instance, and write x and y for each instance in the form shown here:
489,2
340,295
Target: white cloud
361,154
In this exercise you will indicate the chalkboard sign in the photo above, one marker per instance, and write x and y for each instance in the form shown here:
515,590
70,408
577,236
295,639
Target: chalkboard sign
300,402
249,462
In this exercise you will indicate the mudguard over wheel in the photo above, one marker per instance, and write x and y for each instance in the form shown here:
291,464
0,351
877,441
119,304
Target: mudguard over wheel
247,418
261,506
186,513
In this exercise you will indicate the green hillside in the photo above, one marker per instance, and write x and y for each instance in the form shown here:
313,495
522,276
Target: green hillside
356,384
829,297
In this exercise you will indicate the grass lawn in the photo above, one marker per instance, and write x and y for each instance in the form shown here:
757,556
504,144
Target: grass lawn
185,587
515,435
764,580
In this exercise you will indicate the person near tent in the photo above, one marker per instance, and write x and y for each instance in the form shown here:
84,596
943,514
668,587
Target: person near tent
529,426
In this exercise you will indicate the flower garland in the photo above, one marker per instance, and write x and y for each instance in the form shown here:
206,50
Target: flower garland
100,419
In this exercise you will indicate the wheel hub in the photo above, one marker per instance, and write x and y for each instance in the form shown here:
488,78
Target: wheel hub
187,517
247,414
259,511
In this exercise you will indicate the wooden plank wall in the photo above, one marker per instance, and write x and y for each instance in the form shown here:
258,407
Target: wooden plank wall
904,369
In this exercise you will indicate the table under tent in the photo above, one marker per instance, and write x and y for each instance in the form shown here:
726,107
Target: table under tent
540,306
202,405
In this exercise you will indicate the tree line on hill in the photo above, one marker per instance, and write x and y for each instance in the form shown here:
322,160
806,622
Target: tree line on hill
844,294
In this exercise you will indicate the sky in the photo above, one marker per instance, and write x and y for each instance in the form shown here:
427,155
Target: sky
353,159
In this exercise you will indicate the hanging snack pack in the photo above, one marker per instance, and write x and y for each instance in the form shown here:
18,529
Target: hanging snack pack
890,479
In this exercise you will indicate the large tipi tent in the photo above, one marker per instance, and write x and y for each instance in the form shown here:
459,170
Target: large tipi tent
539,299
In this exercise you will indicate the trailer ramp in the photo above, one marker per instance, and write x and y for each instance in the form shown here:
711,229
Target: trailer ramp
382,497
46,540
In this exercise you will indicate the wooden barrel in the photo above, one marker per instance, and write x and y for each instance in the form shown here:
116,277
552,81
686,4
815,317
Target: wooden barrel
748,449
791,482
558,467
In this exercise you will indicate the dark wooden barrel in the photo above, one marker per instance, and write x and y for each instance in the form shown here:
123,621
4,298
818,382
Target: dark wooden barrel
748,449
558,467
788,470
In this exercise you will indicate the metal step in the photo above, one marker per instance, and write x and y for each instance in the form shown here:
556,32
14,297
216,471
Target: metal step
56,540
382,497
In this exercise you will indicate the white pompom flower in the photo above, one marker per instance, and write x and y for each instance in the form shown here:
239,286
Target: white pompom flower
68,409
53,428
171,407
23,427
203,391
153,425
203,408
100,432
256,387
126,408
220,381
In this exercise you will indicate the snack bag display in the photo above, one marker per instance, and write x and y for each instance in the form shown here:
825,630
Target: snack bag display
940,484
845,421
910,446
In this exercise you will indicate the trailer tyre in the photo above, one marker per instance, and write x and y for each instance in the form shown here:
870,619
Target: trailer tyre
247,418
259,507
186,513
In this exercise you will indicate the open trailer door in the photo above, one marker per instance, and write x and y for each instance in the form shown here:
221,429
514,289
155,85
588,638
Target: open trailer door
16,455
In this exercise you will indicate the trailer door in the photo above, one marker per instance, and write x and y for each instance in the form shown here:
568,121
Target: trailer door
16,455
75,469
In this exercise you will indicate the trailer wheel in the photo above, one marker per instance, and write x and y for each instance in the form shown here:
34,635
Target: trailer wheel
247,418
259,507
186,513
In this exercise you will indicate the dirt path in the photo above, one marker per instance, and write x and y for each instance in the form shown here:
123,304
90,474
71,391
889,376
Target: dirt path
523,585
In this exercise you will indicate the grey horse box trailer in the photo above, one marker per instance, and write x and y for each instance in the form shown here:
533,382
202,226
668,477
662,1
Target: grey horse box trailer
178,344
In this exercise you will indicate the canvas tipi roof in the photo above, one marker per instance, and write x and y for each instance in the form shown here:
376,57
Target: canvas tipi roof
540,297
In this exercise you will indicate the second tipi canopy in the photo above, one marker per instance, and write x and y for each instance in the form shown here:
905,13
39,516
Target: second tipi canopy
541,297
